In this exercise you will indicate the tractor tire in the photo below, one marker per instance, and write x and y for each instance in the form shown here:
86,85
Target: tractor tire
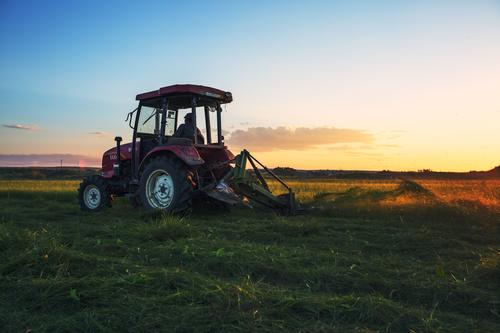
165,186
93,194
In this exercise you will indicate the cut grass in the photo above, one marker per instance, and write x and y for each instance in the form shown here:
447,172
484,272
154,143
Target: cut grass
375,256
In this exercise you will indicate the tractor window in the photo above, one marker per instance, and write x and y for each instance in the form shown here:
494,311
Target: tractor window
201,122
170,125
149,121
212,114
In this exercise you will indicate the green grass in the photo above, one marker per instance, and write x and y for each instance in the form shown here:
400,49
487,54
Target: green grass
373,257
46,173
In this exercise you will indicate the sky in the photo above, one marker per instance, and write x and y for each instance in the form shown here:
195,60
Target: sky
366,85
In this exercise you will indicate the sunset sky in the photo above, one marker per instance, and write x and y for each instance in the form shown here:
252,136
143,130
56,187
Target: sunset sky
400,85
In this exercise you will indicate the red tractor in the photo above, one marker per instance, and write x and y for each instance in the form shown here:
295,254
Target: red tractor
167,164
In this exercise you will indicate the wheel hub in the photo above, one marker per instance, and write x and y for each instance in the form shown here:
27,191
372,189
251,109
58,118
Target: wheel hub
92,196
160,189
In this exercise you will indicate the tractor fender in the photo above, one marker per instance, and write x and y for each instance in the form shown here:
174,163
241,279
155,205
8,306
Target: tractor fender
187,154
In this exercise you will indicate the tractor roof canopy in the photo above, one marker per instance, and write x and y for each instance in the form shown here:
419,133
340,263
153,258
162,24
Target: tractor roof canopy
180,96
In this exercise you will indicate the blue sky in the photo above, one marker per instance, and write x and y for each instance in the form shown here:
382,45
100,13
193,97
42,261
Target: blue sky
412,74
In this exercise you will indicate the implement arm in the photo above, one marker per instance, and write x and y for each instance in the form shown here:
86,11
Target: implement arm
257,189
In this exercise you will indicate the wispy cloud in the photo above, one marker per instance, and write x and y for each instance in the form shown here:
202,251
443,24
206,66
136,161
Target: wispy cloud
22,127
302,138
100,133
23,160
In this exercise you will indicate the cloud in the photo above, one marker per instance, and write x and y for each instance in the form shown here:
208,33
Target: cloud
100,133
301,138
47,160
22,127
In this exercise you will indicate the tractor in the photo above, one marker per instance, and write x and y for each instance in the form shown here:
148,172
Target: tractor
163,170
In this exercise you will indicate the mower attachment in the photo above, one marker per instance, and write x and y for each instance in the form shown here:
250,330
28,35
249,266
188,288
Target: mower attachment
257,189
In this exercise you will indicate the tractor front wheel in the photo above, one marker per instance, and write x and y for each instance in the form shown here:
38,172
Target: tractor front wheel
93,194
164,185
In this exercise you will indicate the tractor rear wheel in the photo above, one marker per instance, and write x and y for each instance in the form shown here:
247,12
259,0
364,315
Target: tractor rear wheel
93,194
164,185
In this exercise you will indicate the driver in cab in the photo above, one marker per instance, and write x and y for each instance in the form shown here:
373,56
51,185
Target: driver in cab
186,130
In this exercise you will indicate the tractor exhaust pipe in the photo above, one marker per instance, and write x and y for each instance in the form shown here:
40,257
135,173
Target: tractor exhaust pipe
116,165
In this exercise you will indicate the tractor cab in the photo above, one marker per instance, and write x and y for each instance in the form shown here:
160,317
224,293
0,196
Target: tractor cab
162,112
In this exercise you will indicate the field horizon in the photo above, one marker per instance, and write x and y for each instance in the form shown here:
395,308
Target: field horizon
65,172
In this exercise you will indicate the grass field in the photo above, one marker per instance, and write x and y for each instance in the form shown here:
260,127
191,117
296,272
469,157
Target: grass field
373,256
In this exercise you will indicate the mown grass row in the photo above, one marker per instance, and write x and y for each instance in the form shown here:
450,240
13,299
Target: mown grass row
354,264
